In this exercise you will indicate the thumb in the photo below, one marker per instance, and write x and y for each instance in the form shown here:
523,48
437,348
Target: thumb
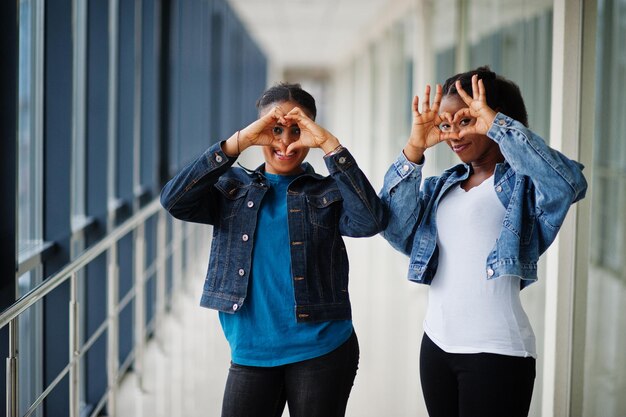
294,146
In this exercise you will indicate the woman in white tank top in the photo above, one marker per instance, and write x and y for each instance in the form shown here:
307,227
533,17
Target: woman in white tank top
475,234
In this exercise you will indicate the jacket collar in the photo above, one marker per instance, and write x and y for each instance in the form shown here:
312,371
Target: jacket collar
260,170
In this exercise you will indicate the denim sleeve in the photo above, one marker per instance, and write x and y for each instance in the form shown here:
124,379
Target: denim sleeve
362,212
558,180
190,195
401,197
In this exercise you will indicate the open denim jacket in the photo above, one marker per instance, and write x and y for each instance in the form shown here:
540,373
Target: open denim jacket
536,184
320,210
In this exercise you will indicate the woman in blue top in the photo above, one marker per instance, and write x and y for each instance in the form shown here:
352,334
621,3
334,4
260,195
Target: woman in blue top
278,269
474,234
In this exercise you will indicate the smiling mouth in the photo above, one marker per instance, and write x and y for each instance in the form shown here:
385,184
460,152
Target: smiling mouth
282,156
460,148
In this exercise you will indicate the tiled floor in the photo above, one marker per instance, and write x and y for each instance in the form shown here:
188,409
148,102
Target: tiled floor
186,365
184,370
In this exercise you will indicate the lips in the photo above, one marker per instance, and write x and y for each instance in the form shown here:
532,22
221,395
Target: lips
458,148
284,157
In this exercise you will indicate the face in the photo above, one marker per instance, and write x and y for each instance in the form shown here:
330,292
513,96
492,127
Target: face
471,148
276,159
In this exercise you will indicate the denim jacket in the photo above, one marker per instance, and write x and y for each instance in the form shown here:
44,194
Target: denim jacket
320,210
536,184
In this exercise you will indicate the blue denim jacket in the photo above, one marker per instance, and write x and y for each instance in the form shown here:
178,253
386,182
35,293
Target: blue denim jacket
536,184
320,210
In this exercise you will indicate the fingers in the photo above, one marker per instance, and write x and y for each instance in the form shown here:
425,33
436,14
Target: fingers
438,97
475,86
297,115
277,145
464,96
426,101
275,115
478,91
446,117
415,106
482,94
463,113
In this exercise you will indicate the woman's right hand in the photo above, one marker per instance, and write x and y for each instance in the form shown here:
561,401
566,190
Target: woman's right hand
425,131
257,133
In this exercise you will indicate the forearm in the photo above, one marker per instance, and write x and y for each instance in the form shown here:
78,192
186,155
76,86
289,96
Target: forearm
555,176
402,200
362,211
187,196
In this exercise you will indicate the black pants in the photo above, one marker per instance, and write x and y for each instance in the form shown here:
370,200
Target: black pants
476,384
317,387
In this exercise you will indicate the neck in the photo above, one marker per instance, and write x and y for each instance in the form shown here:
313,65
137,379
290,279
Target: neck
486,165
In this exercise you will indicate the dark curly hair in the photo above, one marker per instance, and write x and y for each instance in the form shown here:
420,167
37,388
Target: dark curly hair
282,92
503,95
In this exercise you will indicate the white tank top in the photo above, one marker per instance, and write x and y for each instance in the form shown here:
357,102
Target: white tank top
468,313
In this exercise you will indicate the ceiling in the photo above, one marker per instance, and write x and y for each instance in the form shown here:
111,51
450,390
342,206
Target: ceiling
308,33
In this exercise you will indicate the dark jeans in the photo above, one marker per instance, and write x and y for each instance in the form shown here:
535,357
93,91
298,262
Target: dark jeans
317,387
475,384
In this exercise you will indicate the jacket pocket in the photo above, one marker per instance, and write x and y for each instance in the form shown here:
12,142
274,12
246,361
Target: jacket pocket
233,193
324,208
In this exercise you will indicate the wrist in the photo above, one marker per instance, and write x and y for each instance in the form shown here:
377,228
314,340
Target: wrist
338,149
330,145
414,153
232,146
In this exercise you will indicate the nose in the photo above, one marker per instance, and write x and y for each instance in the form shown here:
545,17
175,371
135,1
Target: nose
453,134
289,134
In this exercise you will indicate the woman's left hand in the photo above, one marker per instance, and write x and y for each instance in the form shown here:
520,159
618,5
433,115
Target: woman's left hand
312,135
477,108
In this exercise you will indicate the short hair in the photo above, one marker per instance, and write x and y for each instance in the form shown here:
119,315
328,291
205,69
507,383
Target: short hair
282,92
503,95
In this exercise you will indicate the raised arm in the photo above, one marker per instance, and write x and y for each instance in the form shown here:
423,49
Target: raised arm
401,194
558,181
190,195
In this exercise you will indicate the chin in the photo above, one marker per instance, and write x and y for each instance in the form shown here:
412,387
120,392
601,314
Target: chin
284,164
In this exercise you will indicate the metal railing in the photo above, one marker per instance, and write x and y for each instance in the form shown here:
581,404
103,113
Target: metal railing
71,273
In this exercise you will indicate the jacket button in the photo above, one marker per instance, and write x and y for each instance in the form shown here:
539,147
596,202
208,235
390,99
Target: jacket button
235,307
499,189
244,238
342,160
250,204
241,272
218,158
489,272
501,122
405,168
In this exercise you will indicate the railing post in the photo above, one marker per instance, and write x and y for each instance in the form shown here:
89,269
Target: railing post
113,328
74,343
12,394
177,256
160,275
140,303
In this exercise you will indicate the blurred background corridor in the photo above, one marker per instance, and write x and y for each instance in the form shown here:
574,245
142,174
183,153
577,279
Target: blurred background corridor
102,101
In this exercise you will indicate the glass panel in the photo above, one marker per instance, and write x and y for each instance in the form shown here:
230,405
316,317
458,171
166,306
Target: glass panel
605,362
78,142
29,153
30,347
29,195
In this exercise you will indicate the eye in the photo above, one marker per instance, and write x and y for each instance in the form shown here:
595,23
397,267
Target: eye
295,130
277,130
466,122
444,127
